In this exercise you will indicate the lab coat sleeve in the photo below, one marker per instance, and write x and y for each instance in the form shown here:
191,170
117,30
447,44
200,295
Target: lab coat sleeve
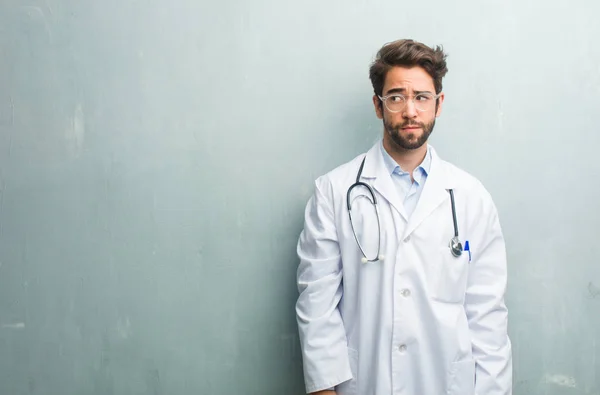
485,307
319,280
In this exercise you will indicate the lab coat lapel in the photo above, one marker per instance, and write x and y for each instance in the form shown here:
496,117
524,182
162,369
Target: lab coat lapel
435,192
376,174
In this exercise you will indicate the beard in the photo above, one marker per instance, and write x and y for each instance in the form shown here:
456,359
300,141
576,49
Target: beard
409,140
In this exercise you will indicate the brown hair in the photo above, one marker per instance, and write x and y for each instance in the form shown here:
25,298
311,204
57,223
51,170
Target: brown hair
408,53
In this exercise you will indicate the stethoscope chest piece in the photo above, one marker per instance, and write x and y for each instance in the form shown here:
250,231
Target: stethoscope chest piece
456,247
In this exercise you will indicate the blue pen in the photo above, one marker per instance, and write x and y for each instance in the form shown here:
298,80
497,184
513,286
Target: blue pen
467,248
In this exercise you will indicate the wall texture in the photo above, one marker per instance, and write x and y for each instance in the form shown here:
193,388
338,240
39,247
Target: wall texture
156,156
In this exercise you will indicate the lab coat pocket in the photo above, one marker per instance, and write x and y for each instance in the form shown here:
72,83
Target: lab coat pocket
450,277
350,387
461,378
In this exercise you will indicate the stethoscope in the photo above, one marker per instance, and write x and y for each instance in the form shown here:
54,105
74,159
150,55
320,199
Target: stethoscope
456,247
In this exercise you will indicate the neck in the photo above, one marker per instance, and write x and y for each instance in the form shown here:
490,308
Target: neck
407,159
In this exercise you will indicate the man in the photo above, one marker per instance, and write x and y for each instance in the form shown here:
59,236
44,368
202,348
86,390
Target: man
405,296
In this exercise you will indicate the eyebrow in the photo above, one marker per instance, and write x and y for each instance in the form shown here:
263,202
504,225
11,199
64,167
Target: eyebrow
403,90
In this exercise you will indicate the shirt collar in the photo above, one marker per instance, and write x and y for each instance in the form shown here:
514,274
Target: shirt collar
392,166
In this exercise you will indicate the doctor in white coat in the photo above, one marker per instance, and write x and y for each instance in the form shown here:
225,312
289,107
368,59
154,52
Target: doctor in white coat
404,297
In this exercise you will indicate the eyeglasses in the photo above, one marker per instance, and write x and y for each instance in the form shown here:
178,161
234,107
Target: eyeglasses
422,101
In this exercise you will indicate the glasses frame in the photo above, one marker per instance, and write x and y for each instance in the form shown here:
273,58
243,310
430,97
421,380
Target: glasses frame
406,98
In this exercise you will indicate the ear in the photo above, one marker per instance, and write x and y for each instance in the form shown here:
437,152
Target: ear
378,106
439,104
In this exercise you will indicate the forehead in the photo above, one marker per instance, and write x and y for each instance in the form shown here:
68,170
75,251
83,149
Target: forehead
408,78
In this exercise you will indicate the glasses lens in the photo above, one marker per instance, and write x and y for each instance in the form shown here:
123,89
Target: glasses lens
424,101
395,103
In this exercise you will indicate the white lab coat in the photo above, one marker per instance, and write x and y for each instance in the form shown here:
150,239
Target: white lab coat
420,322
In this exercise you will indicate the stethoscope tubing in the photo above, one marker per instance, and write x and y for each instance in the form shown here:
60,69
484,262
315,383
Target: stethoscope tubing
455,245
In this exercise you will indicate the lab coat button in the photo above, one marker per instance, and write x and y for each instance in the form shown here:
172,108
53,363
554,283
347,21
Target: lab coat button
407,239
402,348
406,293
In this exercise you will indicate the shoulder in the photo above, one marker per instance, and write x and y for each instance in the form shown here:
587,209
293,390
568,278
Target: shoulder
469,184
341,176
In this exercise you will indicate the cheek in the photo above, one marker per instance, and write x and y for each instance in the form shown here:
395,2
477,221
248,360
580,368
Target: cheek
388,120
393,117
428,118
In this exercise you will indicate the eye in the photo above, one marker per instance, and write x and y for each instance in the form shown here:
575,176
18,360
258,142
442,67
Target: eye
396,98
423,97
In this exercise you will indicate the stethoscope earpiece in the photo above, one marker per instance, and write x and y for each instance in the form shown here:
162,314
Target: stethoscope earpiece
365,260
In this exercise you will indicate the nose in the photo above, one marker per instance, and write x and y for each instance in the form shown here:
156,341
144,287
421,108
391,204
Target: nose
410,111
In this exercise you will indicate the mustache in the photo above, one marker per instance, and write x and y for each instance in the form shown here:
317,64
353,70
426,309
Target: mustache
411,123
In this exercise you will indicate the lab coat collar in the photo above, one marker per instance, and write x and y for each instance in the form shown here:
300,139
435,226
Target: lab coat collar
435,190
376,174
